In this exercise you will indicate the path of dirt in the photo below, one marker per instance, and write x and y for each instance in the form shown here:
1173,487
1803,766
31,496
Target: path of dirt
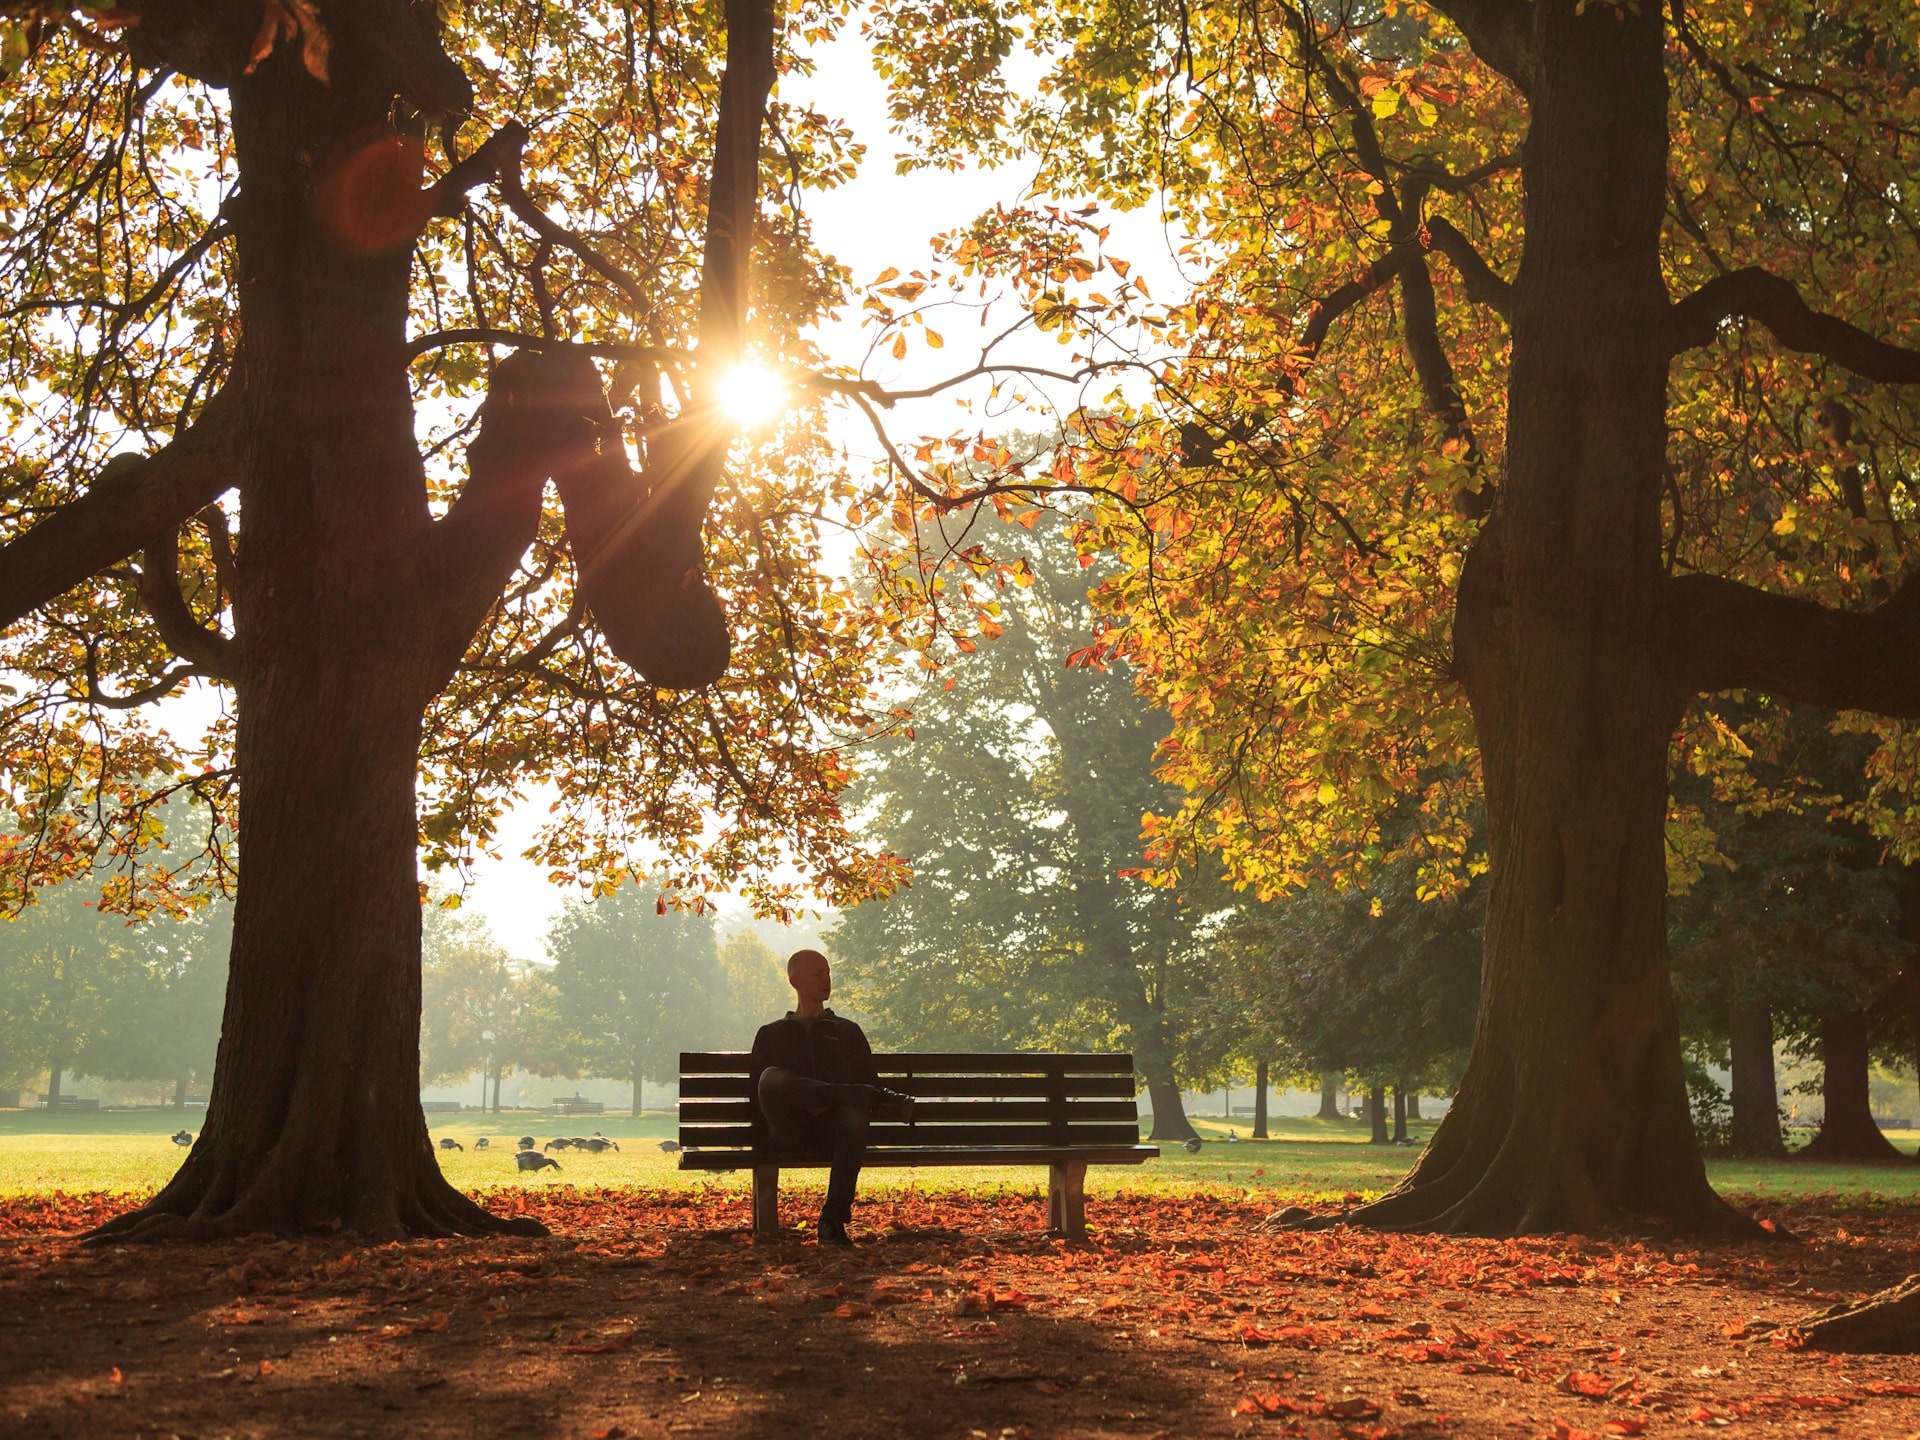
654,1314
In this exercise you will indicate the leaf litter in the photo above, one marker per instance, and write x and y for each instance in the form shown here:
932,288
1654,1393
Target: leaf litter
657,1312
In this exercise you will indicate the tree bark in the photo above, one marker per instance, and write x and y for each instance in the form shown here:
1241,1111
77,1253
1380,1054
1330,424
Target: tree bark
1572,1114
1399,1114
1170,1121
54,1068
1413,1105
180,1092
1260,1070
1755,1099
639,1090
1847,1131
1377,1115
1329,1096
351,611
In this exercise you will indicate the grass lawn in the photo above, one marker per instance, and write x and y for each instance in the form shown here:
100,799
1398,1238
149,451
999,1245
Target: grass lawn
129,1152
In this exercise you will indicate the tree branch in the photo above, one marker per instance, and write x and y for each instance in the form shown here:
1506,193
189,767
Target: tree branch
132,502
1500,32
1775,302
1729,636
208,651
1484,287
542,412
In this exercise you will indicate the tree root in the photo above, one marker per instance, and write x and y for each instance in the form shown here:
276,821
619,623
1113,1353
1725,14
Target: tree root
439,1212
1887,1323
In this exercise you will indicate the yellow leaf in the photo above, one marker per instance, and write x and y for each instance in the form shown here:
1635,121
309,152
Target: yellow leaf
900,346
934,340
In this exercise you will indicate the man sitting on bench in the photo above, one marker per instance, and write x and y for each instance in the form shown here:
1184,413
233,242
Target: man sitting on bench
816,1086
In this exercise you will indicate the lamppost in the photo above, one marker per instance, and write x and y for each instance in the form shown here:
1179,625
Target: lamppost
486,1068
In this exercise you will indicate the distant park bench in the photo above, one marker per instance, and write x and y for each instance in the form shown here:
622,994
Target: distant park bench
68,1102
440,1107
575,1105
1062,1111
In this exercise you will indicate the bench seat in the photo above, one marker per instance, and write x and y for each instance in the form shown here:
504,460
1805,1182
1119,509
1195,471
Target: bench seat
1063,1111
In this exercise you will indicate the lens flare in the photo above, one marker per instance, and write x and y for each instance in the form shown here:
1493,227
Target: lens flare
752,395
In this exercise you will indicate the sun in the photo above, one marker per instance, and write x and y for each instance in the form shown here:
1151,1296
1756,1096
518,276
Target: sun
752,395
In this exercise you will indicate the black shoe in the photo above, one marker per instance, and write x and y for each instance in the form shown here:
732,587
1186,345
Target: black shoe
834,1232
893,1105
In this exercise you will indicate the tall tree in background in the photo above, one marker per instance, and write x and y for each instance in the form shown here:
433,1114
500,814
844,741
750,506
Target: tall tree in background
1018,798
220,254
633,982
1789,925
166,1025
475,1010
751,989
1373,981
65,970
1549,375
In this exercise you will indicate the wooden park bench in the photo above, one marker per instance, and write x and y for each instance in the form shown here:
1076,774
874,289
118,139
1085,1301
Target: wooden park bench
1065,1112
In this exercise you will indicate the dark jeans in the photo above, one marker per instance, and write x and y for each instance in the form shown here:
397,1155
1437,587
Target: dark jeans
838,1131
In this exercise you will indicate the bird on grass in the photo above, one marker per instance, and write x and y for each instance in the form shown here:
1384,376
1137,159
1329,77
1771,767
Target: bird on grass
596,1144
1192,1147
482,1143
526,1142
447,1142
559,1142
672,1147
534,1160
183,1137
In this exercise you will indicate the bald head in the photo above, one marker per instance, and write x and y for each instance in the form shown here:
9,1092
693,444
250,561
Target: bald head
812,980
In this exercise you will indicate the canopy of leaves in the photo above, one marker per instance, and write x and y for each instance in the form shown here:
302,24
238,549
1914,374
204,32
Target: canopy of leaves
118,286
1293,500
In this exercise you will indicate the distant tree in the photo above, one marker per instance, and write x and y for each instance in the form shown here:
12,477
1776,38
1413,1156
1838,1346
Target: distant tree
1379,982
631,984
1789,929
64,968
162,1022
1018,796
752,988
475,1012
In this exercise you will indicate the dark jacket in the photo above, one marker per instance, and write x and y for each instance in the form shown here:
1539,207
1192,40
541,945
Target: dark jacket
831,1049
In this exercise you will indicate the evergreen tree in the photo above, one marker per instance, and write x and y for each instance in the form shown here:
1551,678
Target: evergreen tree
1018,797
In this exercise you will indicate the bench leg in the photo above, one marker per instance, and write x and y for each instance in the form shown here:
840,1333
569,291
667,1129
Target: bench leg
1067,1199
766,1200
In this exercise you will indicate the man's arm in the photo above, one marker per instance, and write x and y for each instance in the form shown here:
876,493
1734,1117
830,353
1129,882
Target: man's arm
762,1058
860,1056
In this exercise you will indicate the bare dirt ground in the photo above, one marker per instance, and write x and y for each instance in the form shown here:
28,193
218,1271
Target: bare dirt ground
655,1314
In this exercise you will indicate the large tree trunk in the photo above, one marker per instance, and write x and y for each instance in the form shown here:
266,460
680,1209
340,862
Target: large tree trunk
1170,1121
1847,1131
54,1068
639,1090
1260,1100
1329,1096
1755,1098
180,1092
1377,1115
343,637
1572,1114
1413,1105
1399,1114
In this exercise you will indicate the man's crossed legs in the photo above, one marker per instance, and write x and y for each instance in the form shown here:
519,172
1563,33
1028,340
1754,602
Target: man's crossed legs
811,1116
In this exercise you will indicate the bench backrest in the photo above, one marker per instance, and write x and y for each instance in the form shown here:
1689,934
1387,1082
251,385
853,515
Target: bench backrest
971,1100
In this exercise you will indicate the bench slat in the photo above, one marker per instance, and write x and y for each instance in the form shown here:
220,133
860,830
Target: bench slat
718,1112
995,1087
931,1156
736,1062
882,1136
